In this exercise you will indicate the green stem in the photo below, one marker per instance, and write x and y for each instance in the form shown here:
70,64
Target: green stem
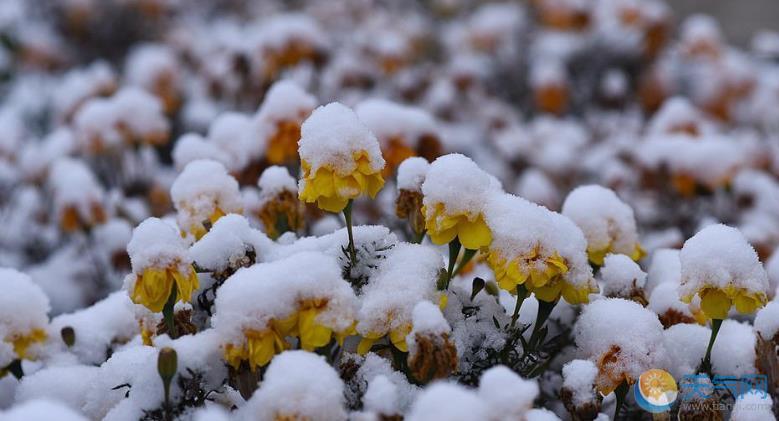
521,295
15,368
348,218
706,364
544,310
168,315
454,251
419,237
467,256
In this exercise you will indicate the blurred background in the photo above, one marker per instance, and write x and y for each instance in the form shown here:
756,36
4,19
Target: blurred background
739,19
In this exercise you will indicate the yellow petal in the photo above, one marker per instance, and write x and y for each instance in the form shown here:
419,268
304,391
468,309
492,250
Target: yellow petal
261,349
312,334
474,235
365,345
746,304
442,237
332,204
398,337
548,293
715,303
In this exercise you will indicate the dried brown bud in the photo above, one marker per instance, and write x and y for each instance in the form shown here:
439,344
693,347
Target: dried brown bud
281,214
409,206
433,357
582,412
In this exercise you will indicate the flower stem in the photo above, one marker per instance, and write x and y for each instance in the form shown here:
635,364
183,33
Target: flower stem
544,310
167,314
348,218
454,251
521,295
706,364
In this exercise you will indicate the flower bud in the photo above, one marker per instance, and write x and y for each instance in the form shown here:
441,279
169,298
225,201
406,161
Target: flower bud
68,336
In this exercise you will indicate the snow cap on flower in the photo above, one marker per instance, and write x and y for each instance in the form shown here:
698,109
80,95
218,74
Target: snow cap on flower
302,295
412,173
381,397
156,243
231,132
622,277
622,338
607,222
450,402
298,385
767,321
539,248
274,180
204,192
579,379
279,118
455,191
192,146
720,266
406,277
23,316
78,197
340,156
227,244
507,395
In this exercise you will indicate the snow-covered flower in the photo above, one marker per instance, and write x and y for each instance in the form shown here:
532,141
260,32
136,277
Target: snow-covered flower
448,401
297,385
406,277
607,222
161,266
23,317
431,354
623,278
340,157
622,338
408,205
203,193
538,249
302,296
455,191
279,208
78,197
719,266
282,112
578,393
508,395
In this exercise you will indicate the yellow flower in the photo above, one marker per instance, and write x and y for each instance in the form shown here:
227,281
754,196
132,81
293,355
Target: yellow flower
716,302
261,346
397,337
597,256
153,287
200,229
469,228
22,343
283,145
542,275
332,190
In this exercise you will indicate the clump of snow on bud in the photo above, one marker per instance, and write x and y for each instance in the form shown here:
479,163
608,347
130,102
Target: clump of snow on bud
203,188
381,396
229,240
274,180
412,173
455,181
621,275
579,378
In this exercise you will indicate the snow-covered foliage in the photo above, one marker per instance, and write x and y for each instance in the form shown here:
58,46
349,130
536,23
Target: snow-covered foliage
379,210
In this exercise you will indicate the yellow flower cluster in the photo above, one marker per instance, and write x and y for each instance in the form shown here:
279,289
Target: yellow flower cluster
540,274
154,285
470,228
260,346
332,190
